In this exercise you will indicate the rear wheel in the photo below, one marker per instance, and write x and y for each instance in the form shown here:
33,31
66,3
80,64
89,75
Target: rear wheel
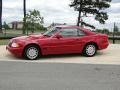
31,52
90,50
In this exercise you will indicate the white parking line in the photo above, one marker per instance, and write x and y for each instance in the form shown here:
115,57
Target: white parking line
108,56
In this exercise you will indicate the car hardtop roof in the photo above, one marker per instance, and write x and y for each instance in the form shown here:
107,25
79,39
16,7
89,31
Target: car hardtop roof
88,31
67,26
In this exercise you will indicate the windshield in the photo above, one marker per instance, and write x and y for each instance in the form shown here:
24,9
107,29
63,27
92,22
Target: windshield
51,32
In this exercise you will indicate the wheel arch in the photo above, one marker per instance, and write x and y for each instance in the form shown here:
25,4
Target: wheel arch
32,44
94,43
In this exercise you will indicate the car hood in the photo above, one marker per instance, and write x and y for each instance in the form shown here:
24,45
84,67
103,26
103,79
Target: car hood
37,37
30,37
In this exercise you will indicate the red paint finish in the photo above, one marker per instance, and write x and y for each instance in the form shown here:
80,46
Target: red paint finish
58,44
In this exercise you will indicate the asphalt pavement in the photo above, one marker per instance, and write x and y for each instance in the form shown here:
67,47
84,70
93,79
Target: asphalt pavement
56,76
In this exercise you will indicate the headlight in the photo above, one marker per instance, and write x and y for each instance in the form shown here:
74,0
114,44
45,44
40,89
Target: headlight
14,45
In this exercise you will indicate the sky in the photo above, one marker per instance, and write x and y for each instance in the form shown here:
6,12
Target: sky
57,11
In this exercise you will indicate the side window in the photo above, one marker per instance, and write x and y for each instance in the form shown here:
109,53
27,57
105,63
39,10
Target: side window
81,33
69,33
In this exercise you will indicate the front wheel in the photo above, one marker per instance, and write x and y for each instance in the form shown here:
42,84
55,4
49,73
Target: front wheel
90,50
31,52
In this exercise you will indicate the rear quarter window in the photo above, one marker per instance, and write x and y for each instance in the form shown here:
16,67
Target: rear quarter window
81,33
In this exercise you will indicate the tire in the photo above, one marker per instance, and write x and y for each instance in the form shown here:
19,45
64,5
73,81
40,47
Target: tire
90,50
31,52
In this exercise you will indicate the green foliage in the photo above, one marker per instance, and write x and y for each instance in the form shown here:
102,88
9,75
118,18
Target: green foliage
105,31
34,20
4,41
5,26
94,7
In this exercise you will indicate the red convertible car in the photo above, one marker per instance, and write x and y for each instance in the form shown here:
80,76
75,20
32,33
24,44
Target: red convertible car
58,40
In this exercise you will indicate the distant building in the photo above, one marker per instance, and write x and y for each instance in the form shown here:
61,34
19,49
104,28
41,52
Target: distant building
16,25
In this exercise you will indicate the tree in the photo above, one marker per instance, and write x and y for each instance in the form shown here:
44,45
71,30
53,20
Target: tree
0,16
5,26
91,7
105,31
99,30
33,20
24,9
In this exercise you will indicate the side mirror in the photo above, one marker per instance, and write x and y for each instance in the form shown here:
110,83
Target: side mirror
58,36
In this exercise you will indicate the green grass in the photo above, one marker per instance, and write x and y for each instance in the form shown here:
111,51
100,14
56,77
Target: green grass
10,35
4,42
19,32
13,31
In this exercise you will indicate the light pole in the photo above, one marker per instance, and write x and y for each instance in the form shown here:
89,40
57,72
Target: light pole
114,34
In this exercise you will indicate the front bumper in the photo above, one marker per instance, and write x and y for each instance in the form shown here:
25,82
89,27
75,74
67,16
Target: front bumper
15,51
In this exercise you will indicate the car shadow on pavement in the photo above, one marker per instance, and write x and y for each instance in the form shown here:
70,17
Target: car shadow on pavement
63,56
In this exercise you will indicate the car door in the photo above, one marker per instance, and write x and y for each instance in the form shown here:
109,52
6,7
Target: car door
69,43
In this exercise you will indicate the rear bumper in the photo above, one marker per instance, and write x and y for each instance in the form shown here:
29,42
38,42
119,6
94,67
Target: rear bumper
104,46
15,51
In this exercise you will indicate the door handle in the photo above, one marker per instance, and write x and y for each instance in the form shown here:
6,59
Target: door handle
77,39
